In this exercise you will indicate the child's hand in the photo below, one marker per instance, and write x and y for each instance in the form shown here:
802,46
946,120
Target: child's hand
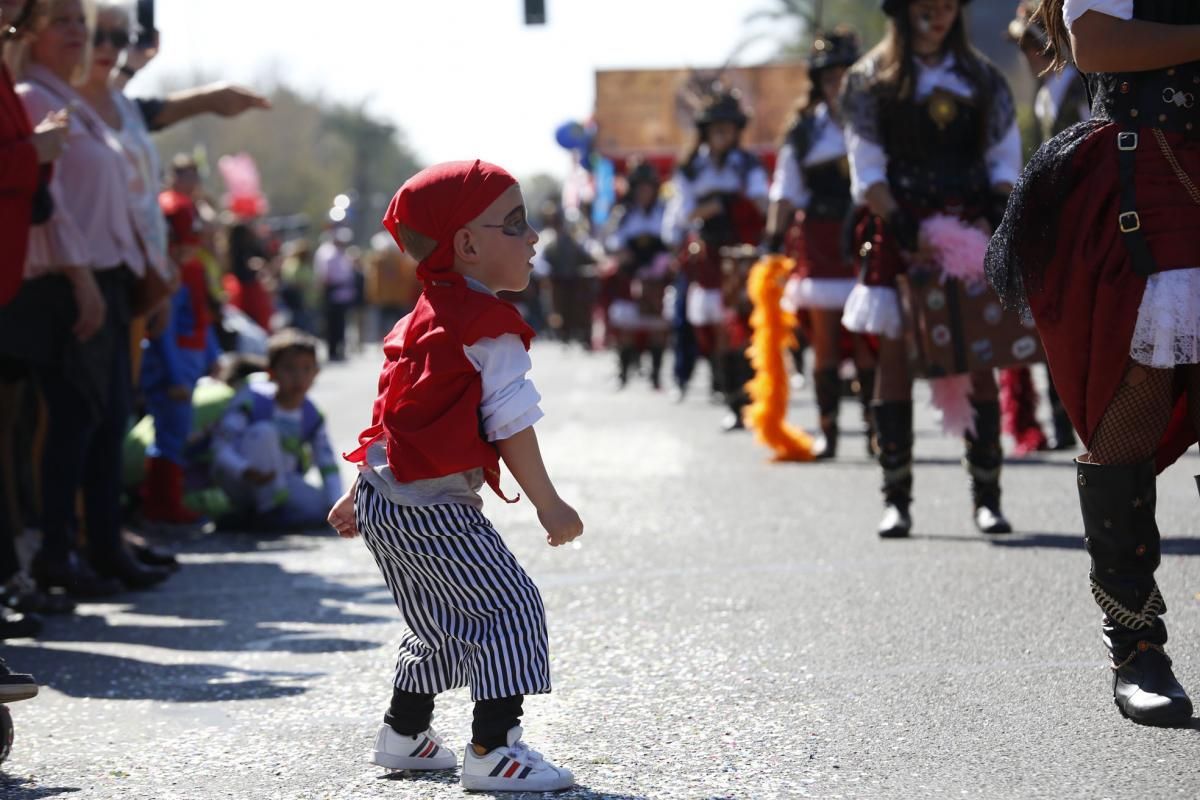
257,477
341,516
562,523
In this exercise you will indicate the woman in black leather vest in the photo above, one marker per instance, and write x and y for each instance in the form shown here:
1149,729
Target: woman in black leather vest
931,129
1099,242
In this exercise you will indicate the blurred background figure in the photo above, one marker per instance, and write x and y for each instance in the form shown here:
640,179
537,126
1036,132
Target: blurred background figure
337,279
391,284
570,270
252,269
633,286
298,292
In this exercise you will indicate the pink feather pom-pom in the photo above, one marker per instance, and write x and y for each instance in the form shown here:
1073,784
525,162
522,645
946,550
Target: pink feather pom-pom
952,397
960,248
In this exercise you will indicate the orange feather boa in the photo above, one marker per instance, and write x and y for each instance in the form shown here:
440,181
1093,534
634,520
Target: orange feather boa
773,332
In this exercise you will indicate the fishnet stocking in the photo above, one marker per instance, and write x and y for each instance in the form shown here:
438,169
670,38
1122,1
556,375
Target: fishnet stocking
1134,423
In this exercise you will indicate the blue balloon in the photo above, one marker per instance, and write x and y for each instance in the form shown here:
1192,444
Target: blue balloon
572,136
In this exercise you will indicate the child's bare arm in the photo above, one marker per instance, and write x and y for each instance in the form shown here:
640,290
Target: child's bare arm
524,459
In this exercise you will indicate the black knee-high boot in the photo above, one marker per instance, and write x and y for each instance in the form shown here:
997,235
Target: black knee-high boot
626,358
828,388
866,396
717,363
894,433
656,362
983,461
736,372
1118,504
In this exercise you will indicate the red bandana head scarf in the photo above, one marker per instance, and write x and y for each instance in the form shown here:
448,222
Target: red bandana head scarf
437,201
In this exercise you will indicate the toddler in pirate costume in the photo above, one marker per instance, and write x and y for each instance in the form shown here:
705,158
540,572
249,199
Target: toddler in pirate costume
453,400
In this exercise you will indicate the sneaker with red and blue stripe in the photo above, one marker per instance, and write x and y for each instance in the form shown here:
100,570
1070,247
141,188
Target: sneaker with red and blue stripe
514,768
424,751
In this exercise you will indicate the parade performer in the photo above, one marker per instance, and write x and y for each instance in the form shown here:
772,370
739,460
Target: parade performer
453,400
569,267
632,293
1061,101
720,199
810,199
931,129
176,359
1100,241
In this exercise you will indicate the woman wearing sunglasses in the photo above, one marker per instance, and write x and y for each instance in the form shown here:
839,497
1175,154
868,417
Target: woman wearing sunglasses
100,186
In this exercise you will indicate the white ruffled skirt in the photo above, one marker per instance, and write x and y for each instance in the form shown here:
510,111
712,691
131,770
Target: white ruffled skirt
823,294
704,306
626,315
873,309
1167,333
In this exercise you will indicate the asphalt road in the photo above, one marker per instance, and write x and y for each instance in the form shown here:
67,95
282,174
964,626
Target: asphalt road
726,628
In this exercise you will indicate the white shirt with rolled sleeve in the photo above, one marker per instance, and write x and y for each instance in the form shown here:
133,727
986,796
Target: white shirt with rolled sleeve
869,162
510,400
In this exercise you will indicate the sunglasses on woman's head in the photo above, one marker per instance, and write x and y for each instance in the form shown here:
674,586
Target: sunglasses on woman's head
119,39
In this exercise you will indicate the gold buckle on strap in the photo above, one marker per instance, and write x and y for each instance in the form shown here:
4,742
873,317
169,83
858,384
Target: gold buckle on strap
1129,222
1127,140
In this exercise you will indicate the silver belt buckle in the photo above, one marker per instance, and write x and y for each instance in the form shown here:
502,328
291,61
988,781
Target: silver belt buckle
1129,221
1127,140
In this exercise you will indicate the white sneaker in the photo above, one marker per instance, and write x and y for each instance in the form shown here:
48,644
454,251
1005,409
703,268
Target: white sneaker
423,751
514,768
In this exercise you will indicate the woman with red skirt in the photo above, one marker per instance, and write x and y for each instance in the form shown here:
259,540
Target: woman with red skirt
1100,243
810,199
931,129
720,199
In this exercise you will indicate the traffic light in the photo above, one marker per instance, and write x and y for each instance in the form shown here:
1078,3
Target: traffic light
535,12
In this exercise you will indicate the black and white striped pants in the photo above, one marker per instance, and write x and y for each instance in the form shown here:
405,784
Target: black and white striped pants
475,618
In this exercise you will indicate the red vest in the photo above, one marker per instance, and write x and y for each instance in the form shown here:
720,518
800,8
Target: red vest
427,409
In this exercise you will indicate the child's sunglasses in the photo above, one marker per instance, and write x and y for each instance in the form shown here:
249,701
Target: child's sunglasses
119,39
511,228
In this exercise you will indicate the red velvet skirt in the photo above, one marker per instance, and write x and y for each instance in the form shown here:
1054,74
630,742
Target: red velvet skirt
816,247
1088,302
701,262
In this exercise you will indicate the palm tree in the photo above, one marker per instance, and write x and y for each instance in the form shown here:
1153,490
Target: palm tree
806,17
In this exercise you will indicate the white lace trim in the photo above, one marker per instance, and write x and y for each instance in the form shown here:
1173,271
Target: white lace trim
1167,333
821,293
873,309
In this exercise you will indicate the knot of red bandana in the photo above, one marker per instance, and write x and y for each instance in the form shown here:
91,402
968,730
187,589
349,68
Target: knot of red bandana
439,200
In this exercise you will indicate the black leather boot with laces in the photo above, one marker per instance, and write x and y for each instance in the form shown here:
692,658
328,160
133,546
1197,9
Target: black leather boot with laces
1118,504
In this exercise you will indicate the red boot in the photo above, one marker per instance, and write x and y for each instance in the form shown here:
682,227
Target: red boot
1019,400
162,494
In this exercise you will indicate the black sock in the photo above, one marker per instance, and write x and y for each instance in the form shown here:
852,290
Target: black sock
494,719
410,712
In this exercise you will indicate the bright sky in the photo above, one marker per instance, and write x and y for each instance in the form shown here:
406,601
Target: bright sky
463,78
